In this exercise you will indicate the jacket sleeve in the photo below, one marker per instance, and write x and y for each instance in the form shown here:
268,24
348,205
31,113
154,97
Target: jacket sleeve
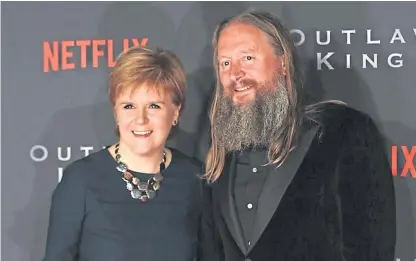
366,194
66,215
210,247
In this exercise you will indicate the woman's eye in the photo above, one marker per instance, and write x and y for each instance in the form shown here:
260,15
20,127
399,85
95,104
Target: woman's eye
154,106
128,106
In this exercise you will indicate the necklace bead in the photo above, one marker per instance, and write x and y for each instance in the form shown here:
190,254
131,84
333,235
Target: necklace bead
142,190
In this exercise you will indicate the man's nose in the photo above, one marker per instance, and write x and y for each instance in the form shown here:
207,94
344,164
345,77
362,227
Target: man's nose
236,73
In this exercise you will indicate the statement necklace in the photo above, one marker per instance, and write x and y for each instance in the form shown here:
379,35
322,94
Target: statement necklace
142,190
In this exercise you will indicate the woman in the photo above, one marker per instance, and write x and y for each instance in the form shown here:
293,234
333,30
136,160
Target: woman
136,199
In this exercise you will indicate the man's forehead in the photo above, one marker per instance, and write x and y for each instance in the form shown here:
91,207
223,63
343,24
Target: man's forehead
240,38
240,28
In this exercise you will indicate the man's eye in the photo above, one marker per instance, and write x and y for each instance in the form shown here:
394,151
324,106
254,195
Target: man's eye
128,106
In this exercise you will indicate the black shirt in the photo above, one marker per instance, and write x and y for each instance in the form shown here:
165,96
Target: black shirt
249,179
94,218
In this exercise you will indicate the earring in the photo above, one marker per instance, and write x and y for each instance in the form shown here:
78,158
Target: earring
175,122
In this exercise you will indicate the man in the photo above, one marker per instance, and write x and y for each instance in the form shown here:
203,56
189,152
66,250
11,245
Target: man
290,182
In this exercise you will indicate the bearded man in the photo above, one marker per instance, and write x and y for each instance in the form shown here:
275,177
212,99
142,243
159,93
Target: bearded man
288,181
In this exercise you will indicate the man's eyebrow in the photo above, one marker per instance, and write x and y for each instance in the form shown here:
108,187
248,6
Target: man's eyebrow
245,50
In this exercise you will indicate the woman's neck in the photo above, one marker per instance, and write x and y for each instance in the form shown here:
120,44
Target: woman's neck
147,163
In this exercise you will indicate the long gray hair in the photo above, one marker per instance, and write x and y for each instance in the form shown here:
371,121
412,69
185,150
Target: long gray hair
280,39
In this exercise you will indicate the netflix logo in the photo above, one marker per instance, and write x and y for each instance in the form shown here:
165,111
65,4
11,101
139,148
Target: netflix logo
72,54
407,153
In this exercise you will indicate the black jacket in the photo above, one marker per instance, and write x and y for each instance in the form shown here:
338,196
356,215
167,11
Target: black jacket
332,200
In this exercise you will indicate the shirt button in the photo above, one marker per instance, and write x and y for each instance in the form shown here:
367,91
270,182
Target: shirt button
254,169
249,206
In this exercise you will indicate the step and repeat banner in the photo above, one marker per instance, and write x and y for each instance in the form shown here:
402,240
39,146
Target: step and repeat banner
55,63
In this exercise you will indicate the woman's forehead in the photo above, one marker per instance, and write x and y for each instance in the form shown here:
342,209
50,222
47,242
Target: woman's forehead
145,91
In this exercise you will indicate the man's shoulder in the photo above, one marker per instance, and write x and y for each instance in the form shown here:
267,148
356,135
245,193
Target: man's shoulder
333,113
342,120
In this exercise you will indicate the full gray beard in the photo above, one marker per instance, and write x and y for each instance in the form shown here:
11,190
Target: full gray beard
252,126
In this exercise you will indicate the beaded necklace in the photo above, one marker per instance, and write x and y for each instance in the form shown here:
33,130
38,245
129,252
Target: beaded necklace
142,190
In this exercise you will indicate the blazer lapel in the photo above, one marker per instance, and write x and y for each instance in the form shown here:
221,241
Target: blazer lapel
226,188
276,184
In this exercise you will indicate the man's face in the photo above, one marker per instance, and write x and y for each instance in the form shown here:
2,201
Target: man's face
255,101
247,63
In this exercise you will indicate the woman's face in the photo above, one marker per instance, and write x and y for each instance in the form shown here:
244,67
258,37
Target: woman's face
145,117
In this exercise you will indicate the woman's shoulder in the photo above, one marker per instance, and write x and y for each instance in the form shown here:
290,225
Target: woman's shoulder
84,167
182,160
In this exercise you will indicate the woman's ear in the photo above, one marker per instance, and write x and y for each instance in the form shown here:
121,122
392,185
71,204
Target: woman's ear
176,114
115,116
177,110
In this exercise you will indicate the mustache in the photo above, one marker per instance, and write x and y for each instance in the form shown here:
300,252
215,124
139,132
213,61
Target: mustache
242,83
